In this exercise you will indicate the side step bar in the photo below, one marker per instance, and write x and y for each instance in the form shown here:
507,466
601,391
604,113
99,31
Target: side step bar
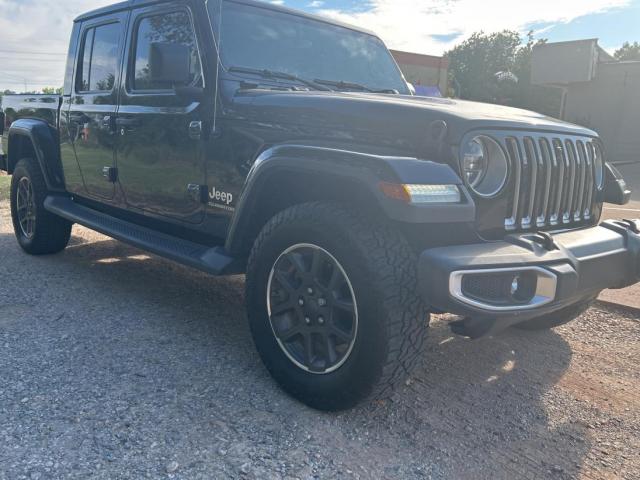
214,261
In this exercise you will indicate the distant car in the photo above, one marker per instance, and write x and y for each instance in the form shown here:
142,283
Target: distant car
237,136
427,91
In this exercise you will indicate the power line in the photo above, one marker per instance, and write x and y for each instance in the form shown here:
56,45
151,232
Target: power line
29,82
15,76
21,52
15,59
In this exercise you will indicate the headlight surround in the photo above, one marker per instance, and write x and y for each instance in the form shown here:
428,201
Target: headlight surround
598,162
484,166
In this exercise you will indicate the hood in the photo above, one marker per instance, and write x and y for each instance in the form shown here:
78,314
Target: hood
401,124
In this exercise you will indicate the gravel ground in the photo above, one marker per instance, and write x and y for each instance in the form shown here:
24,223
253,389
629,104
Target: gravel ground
118,365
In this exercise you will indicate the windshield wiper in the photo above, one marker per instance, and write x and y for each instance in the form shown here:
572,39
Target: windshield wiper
266,73
342,85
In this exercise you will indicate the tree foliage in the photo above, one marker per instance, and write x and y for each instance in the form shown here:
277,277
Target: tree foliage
479,63
628,51
52,91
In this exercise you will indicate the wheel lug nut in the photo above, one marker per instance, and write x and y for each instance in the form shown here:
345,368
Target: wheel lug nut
321,320
307,320
310,291
301,302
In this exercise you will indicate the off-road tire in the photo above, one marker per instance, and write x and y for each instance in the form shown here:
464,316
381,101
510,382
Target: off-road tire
556,319
393,320
50,233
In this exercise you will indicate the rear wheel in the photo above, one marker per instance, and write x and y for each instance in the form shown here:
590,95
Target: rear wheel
38,231
333,307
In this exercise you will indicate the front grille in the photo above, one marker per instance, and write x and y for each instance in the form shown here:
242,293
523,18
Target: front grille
553,181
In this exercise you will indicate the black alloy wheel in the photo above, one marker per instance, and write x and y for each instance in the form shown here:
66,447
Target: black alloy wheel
38,231
26,207
312,308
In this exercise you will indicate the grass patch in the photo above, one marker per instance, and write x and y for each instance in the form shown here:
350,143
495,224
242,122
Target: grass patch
5,185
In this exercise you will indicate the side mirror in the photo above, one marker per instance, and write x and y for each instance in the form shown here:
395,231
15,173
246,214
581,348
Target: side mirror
616,190
170,63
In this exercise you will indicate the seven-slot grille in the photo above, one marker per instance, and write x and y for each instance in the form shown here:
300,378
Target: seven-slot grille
553,180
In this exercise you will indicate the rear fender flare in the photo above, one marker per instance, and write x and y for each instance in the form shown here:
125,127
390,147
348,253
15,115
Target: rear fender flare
43,142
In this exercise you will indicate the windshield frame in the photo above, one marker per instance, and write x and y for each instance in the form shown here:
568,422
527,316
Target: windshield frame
216,24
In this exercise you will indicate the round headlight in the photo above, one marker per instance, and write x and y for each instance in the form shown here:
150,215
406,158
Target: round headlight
484,166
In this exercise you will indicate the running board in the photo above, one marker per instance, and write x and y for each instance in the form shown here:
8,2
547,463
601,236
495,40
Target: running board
212,260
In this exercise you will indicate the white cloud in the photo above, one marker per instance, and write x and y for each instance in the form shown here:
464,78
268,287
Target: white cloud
36,26
316,4
410,25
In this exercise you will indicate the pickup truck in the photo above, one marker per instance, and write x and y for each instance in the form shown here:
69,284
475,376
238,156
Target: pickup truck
241,137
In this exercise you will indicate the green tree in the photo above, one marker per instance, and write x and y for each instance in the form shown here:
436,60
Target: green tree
496,68
628,51
52,91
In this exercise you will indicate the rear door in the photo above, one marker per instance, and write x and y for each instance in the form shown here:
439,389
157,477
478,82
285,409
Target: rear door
160,163
93,103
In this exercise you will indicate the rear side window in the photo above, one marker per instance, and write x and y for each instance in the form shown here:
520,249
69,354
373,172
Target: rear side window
173,27
97,72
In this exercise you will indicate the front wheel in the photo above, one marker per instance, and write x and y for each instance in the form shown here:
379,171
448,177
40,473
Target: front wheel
38,231
333,307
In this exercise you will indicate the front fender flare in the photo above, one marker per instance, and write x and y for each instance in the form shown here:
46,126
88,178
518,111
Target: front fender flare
45,144
362,169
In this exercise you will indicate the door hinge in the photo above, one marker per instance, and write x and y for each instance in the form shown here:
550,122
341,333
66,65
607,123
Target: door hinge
110,174
198,193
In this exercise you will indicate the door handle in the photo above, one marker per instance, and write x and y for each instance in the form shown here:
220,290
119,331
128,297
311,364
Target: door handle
108,122
79,118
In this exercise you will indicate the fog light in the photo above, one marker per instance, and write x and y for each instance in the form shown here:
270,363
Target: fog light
523,287
503,289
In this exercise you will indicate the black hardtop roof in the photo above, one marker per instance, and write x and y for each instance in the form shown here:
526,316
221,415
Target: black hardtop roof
117,7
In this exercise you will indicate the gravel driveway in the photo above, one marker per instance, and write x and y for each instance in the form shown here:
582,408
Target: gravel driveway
118,365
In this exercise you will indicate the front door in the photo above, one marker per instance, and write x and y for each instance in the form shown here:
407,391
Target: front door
93,103
159,158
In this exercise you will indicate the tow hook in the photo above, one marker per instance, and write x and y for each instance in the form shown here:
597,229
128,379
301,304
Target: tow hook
633,226
546,240
472,328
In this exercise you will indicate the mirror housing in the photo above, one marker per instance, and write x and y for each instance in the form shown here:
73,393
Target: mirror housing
170,63
616,190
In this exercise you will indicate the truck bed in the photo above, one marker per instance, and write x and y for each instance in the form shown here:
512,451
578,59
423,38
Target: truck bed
15,107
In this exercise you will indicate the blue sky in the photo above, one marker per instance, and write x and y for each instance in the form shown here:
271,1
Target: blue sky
32,52
613,22
613,28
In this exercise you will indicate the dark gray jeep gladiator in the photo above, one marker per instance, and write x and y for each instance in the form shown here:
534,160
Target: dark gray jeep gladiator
237,137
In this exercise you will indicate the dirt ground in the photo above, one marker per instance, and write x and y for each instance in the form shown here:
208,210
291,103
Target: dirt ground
115,364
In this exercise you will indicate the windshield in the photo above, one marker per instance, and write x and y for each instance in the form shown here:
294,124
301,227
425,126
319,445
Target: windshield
262,38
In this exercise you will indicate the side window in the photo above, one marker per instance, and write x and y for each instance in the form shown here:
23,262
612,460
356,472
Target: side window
97,73
173,27
85,67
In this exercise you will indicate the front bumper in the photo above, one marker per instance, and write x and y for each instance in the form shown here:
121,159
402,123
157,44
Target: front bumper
570,267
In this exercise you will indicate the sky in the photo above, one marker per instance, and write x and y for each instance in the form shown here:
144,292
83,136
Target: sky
34,33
